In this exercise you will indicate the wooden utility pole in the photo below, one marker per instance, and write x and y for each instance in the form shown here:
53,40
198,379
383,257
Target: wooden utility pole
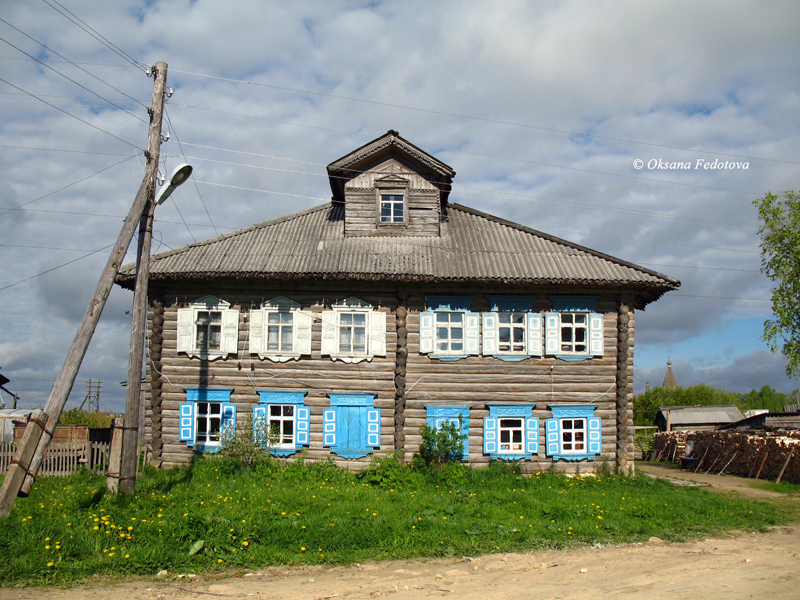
130,432
22,472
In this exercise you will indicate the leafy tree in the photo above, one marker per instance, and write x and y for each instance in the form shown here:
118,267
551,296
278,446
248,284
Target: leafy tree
443,445
780,261
76,416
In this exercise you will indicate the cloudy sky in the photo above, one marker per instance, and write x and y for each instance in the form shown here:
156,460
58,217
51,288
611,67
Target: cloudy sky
542,108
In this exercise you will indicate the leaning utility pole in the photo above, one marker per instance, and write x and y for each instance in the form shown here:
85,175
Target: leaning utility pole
22,472
130,432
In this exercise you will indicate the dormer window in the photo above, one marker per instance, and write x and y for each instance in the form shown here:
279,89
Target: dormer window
393,208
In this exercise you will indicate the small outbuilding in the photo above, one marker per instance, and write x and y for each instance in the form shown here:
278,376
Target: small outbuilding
696,418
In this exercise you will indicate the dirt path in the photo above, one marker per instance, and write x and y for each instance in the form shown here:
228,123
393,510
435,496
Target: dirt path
743,566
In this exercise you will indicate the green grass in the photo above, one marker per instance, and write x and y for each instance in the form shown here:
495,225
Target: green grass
213,517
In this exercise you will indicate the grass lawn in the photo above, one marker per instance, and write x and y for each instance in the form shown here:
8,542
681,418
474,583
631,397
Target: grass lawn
214,517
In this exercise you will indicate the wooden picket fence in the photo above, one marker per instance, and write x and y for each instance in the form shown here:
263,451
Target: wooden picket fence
62,459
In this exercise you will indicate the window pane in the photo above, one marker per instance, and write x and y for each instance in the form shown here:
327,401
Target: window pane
360,319
286,338
505,335
442,317
456,317
275,410
580,319
441,333
457,333
346,319
519,335
273,317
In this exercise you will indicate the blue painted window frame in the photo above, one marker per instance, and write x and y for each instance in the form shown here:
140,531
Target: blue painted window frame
351,416
594,431
437,414
491,431
427,326
302,416
188,414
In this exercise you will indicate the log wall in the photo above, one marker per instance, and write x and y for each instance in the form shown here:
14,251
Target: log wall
404,381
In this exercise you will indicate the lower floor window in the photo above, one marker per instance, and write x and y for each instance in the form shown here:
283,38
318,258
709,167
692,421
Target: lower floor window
205,417
574,433
510,432
351,427
208,422
438,415
282,417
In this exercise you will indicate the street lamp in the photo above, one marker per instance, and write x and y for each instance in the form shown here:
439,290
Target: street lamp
179,174
130,433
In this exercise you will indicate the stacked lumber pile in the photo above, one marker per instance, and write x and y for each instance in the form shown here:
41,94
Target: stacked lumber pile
773,455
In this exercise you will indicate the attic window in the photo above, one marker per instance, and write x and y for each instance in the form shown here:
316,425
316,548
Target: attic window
392,208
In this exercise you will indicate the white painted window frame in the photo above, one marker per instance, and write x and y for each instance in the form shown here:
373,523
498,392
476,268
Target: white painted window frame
375,331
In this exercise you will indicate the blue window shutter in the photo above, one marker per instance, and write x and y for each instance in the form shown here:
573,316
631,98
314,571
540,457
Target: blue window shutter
259,423
552,332
186,428
534,334
490,435
302,420
257,331
552,432
594,426
228,416
303,323
329,427
426,332
373,427
472,333
596,334
532,434
465,432
490,333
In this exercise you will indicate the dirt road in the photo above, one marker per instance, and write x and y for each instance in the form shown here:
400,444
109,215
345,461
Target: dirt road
743,566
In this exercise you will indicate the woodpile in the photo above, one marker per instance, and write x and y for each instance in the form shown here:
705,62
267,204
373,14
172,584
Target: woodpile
773,455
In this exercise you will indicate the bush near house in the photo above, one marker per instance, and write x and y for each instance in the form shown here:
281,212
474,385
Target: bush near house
213,517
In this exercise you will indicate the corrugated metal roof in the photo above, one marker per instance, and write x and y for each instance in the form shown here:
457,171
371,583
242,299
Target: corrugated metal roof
473,247
698,415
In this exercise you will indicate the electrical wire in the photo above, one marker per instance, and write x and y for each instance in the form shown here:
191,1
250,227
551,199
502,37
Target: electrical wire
484,119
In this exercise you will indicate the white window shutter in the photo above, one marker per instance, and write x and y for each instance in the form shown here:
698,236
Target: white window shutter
552,332
185,330
329,333
230,331
303,323
490,333
534,334
377,334
257,316
426,332
472,333
596,334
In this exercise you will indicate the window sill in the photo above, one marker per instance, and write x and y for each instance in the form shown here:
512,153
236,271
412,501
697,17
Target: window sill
573,457
448,357
280,358
351,359
206,355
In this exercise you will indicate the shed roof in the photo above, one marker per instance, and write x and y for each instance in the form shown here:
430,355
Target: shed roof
699,415
473,247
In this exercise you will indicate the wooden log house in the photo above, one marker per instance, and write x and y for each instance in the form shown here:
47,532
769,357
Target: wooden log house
348,326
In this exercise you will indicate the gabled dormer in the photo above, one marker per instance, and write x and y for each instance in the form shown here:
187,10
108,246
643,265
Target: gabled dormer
391,187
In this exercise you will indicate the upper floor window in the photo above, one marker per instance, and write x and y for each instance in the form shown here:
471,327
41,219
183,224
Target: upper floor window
353,331
574,332
208,329
280,331
450,330
512,331
392,208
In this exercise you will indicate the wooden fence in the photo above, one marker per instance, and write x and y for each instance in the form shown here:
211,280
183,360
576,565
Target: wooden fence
62,459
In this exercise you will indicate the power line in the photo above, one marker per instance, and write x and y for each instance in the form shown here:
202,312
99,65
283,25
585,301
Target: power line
94,33
73,64
62,150
67,186
69,114
484,119
56,267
